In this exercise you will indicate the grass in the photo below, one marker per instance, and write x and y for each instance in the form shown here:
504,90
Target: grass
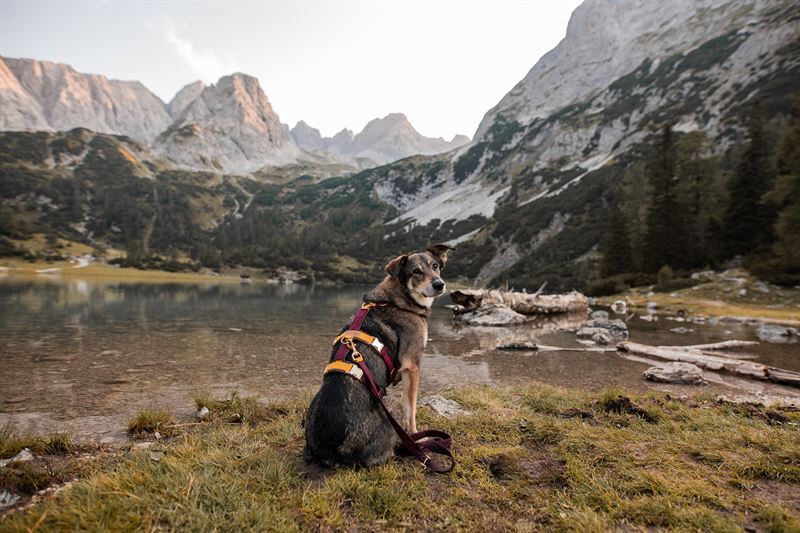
12,443
526,462
150,421
721,297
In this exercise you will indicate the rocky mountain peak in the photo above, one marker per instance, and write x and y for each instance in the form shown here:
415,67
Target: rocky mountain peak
606,39
184,97
64,99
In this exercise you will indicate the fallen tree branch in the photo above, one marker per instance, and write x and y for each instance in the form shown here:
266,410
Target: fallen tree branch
714,362
724,345
526,304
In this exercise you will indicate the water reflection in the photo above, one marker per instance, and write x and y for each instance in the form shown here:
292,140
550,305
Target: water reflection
87,354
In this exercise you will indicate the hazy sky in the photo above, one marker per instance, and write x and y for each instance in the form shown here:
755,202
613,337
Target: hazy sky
332,64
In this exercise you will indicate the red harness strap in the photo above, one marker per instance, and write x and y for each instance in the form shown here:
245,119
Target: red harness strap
417,444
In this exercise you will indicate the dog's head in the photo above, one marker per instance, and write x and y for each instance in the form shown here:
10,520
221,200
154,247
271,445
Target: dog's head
420,274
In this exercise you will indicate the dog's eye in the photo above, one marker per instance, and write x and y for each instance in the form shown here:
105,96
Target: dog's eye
436,266
418,271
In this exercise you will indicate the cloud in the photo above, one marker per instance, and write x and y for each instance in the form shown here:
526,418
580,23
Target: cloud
205,64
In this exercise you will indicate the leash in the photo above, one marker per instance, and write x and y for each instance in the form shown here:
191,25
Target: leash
421,445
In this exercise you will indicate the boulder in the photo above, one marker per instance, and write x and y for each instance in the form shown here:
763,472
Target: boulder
602,338
444,407
683,373
494,315
619,307
777,333
599,315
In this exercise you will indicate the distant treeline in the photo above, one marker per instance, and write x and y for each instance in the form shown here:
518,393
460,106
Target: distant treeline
686,209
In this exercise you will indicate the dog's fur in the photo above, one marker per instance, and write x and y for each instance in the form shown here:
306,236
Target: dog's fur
344,424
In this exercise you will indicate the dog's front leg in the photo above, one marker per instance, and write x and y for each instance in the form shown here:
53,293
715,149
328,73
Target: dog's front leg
410,390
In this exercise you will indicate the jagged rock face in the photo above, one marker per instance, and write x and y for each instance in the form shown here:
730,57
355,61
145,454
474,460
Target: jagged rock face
606,39
308,138
230,126
20,111
382,140
39,95
183,98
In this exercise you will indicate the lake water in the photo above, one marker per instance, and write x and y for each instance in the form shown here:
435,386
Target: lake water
83,355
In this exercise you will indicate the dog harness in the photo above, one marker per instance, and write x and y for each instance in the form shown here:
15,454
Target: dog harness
419,445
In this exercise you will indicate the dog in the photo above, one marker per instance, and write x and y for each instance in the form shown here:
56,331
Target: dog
345,425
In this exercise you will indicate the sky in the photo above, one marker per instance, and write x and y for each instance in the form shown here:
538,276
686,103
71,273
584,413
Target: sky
333,64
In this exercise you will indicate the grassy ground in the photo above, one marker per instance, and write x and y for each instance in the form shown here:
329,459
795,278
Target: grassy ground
533,458
721,297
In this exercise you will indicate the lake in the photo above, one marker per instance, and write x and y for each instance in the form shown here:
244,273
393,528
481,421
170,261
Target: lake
84,355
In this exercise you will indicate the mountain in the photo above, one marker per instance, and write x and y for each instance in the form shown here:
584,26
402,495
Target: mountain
40,95
183,98
382,140
527,200
229,126
545,161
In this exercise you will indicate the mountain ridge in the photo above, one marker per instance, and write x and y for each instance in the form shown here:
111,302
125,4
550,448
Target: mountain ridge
191,130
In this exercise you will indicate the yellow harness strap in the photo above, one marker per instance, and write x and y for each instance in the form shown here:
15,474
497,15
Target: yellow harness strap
344,368
359,336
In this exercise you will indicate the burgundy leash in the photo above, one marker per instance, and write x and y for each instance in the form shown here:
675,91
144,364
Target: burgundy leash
417,444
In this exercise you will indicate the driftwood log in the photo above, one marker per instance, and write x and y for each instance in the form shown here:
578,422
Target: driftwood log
701,358
527,304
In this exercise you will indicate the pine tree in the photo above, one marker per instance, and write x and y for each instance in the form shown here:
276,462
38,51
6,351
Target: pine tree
617,258
785,195
634,199
665,242
747,225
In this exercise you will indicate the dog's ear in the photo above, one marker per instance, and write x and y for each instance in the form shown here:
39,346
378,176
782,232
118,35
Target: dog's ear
396,265
439,251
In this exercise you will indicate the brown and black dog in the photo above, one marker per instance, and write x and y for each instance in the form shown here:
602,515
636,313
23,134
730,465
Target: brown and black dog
344,424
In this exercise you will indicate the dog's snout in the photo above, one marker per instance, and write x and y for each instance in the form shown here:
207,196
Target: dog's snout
438,284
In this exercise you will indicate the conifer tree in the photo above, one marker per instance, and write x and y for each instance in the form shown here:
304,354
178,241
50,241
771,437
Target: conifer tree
617,258
665,242
785,195
747,225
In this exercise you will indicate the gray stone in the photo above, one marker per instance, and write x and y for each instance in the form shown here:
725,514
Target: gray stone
619,307
600,315
777,333
683,373
496,315
444,407
22,457
203,413
601,338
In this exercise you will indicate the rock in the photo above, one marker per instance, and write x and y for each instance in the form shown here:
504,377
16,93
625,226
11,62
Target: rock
651,306
525,345
742,292
7,499
444,407
760,286
777,333
681,330
203,413
22,457
684,373
496,315
648,318
600,315
602,338
588,332
619,307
